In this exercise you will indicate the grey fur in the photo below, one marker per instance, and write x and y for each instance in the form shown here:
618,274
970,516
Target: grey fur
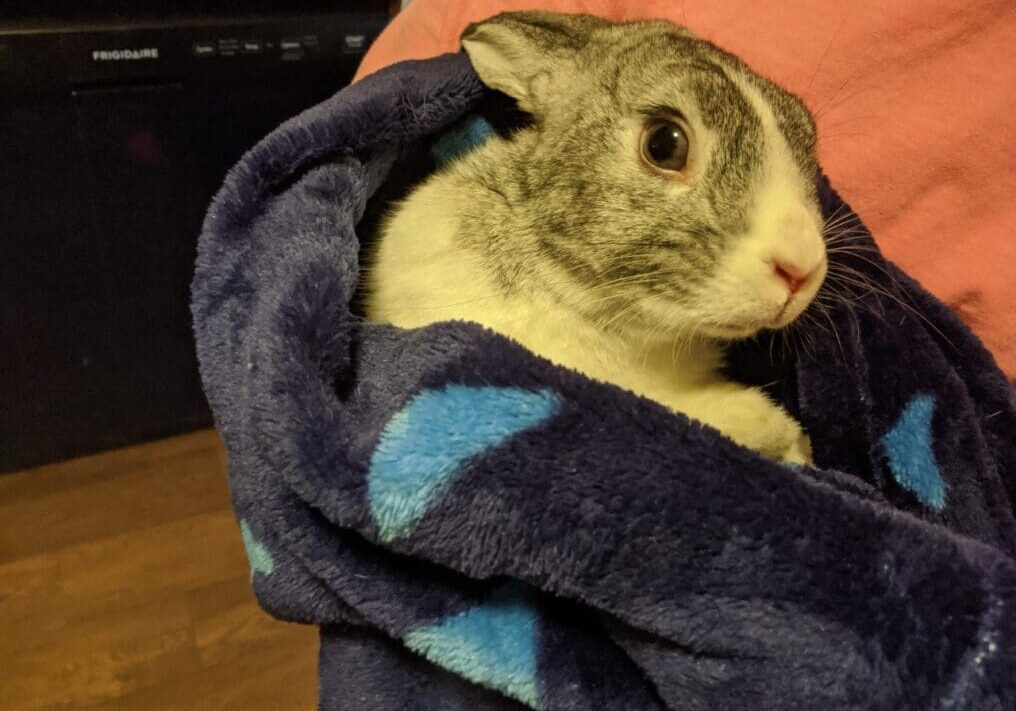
555,192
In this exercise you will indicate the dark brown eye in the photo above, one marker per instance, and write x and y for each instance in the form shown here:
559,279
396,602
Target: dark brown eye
665,145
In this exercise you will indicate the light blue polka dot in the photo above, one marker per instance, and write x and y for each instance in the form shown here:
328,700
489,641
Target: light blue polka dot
425,444
493,644
461,139
260,558
908,446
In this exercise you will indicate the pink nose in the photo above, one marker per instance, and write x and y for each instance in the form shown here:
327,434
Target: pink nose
791,275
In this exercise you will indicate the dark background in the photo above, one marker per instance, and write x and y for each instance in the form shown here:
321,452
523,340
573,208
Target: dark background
105,175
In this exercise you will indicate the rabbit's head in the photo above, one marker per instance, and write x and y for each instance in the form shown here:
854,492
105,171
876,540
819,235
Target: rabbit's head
661,186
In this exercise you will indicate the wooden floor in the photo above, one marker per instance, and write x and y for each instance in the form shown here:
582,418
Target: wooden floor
123,585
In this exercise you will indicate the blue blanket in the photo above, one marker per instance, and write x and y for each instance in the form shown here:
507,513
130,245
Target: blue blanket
473,527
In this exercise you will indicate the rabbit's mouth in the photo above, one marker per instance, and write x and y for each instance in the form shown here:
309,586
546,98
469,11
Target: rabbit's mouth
768,310
795,305
760,299
747,329
800,299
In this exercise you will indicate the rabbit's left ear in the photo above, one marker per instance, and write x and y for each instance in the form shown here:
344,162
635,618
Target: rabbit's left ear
516,52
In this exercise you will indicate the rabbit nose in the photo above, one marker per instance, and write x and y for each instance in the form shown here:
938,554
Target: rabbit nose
792,275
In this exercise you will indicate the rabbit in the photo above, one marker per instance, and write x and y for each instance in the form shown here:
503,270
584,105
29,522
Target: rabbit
661,203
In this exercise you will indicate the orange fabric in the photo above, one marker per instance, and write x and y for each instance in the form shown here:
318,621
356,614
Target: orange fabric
916,107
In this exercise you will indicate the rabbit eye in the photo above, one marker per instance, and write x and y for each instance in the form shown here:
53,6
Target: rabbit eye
665,145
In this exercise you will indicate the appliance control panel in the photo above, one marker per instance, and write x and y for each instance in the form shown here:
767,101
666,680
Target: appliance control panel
200,52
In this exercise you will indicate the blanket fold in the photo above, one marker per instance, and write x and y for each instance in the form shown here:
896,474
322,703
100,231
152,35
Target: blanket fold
474,527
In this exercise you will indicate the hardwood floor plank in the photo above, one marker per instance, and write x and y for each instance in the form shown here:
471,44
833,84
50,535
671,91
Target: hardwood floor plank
102,577
26,586
102,658
167,489
276,674
49,478
172,557
124,585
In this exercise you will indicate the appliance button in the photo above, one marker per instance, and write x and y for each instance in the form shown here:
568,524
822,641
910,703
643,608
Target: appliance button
204,49
353,43
292,50
252,47
228,47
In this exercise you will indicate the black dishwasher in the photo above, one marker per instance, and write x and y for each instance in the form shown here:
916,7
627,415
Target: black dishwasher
116,127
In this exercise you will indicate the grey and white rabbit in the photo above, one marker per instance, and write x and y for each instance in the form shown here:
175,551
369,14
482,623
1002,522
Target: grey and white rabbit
661,203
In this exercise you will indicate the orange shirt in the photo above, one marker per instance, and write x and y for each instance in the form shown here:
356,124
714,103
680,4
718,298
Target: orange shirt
916,109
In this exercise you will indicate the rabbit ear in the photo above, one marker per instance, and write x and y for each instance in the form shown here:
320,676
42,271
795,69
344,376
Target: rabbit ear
514,51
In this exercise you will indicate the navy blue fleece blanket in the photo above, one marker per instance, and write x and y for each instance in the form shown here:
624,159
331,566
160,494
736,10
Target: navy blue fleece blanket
473,527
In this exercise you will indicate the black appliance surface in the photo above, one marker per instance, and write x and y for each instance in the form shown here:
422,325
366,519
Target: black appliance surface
116,128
